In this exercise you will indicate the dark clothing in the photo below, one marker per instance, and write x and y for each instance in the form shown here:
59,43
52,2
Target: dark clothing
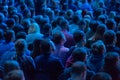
50,65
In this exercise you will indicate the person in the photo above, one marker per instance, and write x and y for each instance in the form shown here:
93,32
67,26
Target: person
109,38
78,71
26,62
101,76
49,65
111,65
15,75
96,59
61,51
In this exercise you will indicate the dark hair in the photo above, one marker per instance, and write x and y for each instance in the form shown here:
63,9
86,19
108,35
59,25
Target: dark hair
21,35
78,35
1,34
101,28
111,24
78,68
79,54
45,46
101,76
93,25
58,37
15,75
10,23
109,37
11,65
9,35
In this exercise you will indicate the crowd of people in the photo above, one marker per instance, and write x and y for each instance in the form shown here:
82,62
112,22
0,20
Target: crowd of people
59,39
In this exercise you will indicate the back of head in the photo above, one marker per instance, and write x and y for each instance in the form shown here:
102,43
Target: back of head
111,59
78,36
64,24
20,46
9,35
101,28
15,75
79,54
10,23
11,65
47,28
109,37
101,76
98,48
45,46
34,28
21,35
58,37
78,68
111,24
93,25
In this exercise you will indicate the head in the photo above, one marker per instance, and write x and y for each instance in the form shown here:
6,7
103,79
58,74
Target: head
45,47
98,48
9,35
2,17
47,29
20,46
111,24
59,38
109,37
78,69
111,59
79,54
15,75
21,35
11,65
79,37
101,76
64,24
34,28
101,28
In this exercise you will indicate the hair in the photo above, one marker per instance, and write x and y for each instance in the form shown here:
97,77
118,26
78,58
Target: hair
109,37
79,54
102,19
15,75
93,25
98,47
9,35
111,59
64,23
58,37
45,46
101,28
101,76
47,28
11,65
36,48
21,35
78,36
34,28
78,68
10,23
111,24
21,46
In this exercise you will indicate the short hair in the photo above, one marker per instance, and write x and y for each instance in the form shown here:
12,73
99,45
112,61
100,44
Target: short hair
45,46
15,75
101,28
98,47
111,59
78,35
79,54
11,65
111,24
78,68
93,25
20,45
101,76
58,37
21,35
109,37
46,28
9,35
10,23
102,18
